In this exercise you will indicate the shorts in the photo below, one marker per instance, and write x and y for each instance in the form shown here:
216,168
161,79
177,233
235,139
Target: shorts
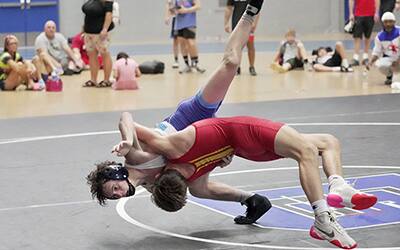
192,110
363,25
93,42
187,33
334,61
2,85
387,6
295,63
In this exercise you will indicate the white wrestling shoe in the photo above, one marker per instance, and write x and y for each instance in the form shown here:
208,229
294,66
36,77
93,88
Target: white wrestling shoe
345,195
327,228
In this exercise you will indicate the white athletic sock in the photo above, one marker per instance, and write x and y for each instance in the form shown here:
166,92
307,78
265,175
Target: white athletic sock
319,207
356,57
336,69
345,63
365,56
335,181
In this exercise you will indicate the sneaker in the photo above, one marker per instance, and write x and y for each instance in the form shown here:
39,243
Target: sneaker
307,66
347,196
238,71
389,80
365,61
186,69
277,68
252,71
257,206
327,228
198,69
355,62
58,71
21,87
175,65
346,69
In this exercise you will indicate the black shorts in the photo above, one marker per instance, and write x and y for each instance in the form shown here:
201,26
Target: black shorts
2,85
334,61
295,63
363,25
387,6
187,33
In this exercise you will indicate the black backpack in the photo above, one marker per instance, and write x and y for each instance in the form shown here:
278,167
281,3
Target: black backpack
152,67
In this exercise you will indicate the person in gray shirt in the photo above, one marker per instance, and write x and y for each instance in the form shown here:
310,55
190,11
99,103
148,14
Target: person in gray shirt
54,52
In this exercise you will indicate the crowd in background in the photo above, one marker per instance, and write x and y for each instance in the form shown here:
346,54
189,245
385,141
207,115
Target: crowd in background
89,49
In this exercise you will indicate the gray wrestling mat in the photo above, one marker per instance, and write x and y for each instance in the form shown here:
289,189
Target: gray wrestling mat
45,202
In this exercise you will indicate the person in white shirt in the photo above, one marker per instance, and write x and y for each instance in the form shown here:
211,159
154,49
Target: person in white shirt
385,54
328,60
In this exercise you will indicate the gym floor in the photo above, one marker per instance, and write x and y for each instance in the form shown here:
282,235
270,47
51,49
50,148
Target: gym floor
50,141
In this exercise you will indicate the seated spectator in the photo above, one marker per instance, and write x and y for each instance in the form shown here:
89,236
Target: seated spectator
327,60
125,71
54,52
291,54
15,72
79,49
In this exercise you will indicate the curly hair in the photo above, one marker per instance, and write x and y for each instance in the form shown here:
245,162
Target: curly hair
169,191
95,180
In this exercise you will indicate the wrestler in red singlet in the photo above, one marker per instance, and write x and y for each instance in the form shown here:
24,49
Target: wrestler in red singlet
248,137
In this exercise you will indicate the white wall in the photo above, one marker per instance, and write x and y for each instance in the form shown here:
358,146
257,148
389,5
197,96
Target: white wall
143,21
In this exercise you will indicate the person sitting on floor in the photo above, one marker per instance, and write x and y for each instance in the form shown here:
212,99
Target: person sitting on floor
54,52
291,54
327,60
15,72
126,71
79,49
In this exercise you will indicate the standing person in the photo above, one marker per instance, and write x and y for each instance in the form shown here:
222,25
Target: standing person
185,26
98,24
386,48
170,20
234,11
389,6
364,13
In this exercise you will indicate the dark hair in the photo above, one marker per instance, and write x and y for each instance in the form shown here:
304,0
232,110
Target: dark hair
123,55
96,179
169,191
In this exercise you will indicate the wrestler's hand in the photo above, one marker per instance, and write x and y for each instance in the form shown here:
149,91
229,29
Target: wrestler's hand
226,161
122,148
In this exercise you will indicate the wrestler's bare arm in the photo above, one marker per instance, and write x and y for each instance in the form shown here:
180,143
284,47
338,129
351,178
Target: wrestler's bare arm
203,188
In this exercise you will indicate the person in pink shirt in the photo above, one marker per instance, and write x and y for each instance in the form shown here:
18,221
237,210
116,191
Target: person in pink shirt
126,71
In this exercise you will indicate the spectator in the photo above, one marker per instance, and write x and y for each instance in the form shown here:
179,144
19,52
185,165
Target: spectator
364,13
126,70
386,49
54,52
79,49
389,6
234,11
98,24
327,60
291,54
170,17
15,72
185,28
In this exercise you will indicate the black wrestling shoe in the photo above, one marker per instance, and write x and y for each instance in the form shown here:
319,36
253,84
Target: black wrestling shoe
238,71
257,206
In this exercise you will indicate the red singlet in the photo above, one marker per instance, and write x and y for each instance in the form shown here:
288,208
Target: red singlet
245,136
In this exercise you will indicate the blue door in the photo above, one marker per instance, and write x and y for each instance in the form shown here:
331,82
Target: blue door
26,18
